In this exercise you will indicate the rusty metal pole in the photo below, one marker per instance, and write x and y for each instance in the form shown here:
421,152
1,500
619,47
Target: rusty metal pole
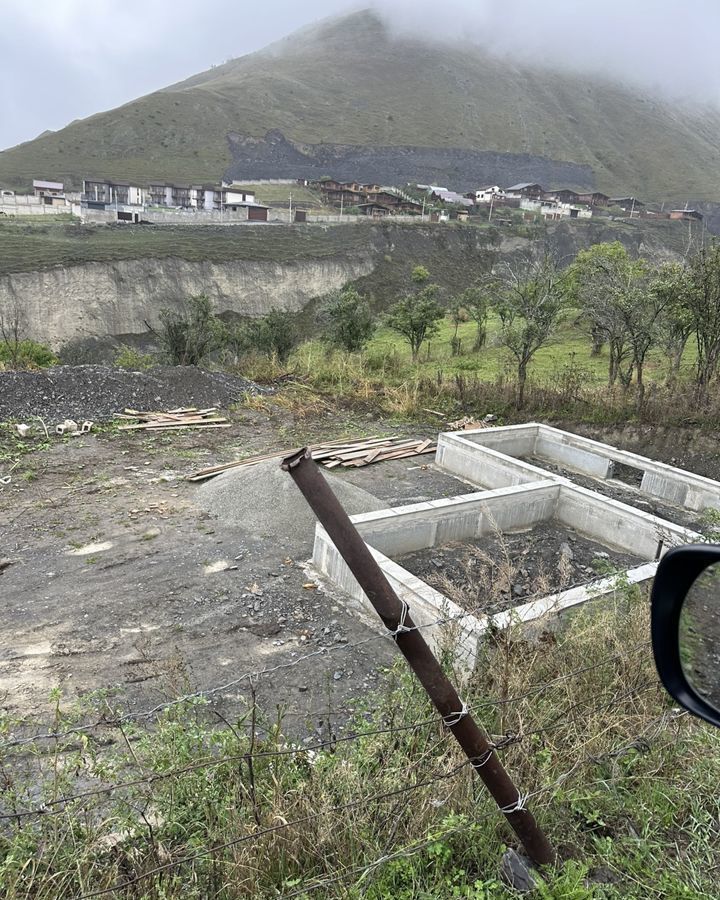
395,615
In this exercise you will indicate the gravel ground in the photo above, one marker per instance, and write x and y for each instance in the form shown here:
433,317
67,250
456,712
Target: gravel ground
495,572
97,392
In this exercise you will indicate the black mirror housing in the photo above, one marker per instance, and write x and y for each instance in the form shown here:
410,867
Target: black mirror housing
676,573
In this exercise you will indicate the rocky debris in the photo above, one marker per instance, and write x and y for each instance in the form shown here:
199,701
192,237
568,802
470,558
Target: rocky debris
98,392
517,872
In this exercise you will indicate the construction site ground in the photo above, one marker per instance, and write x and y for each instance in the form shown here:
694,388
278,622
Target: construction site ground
117,579
122,587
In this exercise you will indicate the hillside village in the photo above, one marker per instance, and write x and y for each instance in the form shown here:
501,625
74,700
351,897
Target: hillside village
325,200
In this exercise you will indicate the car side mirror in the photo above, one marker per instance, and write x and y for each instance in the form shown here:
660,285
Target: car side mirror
685,627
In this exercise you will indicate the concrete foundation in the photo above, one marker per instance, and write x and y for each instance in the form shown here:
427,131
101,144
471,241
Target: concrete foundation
394,532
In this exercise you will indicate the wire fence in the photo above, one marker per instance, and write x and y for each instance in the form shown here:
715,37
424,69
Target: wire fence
136,789
110,720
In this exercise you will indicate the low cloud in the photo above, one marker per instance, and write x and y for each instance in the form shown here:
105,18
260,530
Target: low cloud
662,46
66,59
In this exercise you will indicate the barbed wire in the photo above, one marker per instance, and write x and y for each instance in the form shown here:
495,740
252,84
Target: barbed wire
555,723
45,808
366,869
108,722
303,820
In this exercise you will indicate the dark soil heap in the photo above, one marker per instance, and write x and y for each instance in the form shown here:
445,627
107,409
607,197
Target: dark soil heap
97,392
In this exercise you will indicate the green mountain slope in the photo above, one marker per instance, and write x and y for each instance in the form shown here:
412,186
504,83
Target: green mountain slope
348,82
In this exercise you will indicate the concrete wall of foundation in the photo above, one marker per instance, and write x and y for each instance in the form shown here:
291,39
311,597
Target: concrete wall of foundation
519,496
499,464
394,532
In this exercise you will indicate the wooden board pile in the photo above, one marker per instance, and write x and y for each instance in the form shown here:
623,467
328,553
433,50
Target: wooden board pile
338,453
185,417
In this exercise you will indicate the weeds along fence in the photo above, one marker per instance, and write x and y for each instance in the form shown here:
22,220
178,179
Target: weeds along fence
184,798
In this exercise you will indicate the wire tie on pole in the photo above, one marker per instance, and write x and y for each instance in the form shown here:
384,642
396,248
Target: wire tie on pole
402,627
454,717
480,761
519,806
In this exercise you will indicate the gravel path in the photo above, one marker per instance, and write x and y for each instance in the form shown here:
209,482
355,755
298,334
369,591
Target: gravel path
97,392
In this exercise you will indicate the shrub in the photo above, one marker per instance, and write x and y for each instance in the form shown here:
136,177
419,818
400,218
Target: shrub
130,358
273,334
26,355
189,335
350,322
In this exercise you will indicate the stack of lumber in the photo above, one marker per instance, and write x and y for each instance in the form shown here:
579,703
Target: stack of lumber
338,453
186,417
467,424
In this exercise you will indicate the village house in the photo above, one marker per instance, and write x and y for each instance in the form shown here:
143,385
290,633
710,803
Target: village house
48,188
563,195
686,215
593,198
99,191
445,196
370,199
343,193
627,204
49,193
525,190
555,209
102,193
488,194
374,209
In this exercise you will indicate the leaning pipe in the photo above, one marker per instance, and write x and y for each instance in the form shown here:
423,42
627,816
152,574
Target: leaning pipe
396,617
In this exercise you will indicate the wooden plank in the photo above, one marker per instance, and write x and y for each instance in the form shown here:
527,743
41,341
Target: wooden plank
363,451
161,426
320,452
405,453
359,453
424,446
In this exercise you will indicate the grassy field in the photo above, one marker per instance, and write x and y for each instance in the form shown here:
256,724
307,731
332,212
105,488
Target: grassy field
25,248
280,194
564,380
566,355
569,346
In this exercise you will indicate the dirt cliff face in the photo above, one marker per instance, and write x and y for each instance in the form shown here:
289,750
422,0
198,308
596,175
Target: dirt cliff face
125,297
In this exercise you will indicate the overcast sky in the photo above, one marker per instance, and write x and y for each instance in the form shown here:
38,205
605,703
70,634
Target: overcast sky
65,59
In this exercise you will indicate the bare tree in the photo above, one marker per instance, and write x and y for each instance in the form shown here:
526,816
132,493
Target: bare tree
529,302
13,329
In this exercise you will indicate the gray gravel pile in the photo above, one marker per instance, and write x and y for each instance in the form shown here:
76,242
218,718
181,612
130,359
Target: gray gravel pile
97,392
264,502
